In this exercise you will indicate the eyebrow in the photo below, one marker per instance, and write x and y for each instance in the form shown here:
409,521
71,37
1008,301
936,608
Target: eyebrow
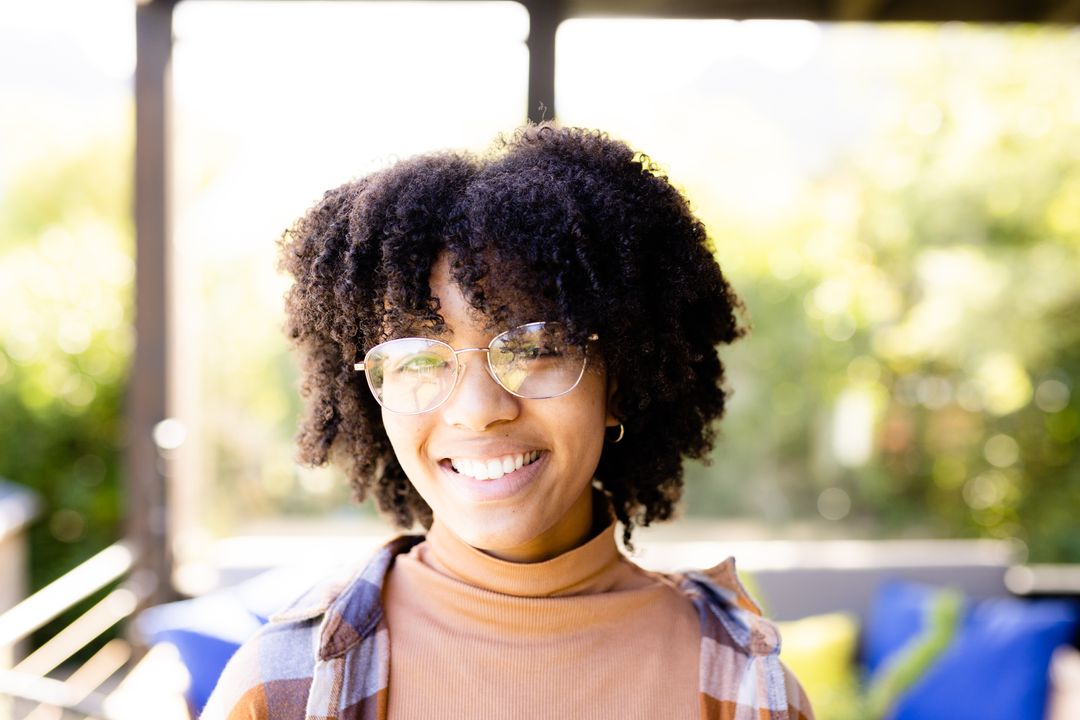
422,330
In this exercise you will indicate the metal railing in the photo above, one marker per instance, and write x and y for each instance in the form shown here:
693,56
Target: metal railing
29,680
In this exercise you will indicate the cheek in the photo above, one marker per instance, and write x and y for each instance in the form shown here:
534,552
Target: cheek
585,416
597,391
406,436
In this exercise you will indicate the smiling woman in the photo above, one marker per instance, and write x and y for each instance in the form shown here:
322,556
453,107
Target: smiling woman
462,455
538,330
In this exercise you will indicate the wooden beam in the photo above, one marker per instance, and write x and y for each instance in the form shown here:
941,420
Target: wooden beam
544,19
151,373
858,10
700,9
1066,11
991,11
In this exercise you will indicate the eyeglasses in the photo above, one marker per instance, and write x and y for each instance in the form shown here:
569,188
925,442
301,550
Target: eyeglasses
416,375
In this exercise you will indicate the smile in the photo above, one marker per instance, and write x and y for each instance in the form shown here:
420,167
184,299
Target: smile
494,468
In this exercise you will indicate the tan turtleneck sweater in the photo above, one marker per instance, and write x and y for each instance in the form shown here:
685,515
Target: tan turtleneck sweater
587,634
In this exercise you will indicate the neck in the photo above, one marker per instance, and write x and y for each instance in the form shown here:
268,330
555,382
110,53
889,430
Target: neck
571,531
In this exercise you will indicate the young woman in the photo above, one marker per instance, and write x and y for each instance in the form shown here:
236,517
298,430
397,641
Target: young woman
516,351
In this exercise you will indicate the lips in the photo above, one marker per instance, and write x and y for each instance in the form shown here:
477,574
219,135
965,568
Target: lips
504,486
493,468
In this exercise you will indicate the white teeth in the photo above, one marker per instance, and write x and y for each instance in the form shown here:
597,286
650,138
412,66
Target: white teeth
495,468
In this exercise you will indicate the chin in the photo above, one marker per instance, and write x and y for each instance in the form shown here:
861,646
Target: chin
496,540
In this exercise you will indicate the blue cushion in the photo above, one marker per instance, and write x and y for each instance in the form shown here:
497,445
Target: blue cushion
996,665
206,631
209,629
898,614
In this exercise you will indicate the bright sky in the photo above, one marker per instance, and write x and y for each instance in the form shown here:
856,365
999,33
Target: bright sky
63,66
100,31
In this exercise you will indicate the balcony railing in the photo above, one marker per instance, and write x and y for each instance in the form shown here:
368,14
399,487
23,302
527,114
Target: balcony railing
31,689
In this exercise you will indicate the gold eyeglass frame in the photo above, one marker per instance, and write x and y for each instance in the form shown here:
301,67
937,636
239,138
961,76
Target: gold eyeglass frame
459,367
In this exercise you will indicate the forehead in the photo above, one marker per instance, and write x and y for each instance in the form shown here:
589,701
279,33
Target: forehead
453,307
508,305
467,293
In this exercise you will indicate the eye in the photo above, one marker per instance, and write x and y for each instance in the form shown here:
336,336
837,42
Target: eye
531,349
421,363
539,350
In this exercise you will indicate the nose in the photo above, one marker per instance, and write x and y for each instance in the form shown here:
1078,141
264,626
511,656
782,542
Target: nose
477,402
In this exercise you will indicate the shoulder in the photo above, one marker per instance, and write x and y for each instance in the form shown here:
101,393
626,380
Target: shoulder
729,615
270,676
740,650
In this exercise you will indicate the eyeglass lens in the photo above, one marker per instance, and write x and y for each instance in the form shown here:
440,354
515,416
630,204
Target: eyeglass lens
414,375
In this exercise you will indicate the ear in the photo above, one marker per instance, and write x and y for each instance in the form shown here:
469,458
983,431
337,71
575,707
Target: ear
612,420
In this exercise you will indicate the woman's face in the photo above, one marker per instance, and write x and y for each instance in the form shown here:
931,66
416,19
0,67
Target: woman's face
535,512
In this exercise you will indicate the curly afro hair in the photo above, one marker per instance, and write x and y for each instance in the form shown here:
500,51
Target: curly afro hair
592,233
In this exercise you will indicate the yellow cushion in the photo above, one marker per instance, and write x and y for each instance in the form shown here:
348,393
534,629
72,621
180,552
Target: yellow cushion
820,650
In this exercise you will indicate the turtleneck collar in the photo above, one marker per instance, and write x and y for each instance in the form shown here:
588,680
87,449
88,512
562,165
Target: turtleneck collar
486,637
579,571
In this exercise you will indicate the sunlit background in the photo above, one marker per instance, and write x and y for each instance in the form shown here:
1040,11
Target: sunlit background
898,206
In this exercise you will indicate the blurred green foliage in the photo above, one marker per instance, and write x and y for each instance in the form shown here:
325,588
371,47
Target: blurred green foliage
65,341
912,366
914,301
916,311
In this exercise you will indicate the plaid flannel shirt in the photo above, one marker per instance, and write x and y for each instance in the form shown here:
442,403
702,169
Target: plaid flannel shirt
328,654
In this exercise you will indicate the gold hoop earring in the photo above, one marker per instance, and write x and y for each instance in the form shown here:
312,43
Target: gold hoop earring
622,431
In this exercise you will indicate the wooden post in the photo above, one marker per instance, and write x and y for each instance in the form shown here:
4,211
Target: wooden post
544,19
150,378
